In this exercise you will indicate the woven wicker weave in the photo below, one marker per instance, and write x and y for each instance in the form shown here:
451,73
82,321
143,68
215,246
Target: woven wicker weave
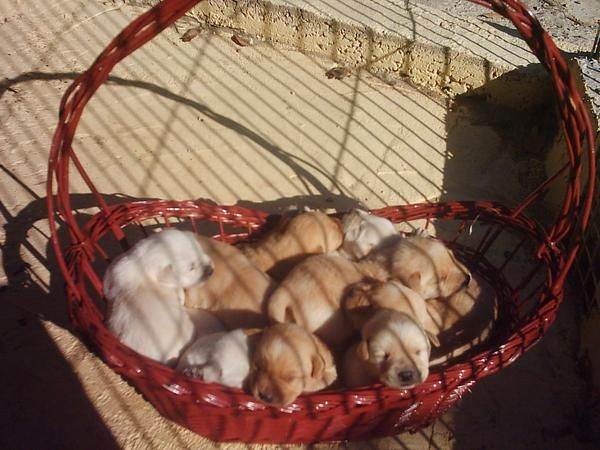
528,304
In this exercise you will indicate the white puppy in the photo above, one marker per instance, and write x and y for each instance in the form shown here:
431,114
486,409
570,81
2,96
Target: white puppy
219,358
145,292
363,232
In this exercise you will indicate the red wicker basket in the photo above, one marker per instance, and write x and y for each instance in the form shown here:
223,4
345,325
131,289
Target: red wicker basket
529,301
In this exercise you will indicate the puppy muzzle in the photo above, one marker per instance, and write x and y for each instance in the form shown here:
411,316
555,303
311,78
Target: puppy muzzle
403,377
207,272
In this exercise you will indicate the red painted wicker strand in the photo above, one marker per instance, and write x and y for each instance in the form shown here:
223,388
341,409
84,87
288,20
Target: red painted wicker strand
528,304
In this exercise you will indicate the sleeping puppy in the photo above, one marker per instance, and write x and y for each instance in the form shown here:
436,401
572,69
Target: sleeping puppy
464,320
287,361
304,234
144,289
394,350
220,358
237,290
363,299
364,232
312,293
424,264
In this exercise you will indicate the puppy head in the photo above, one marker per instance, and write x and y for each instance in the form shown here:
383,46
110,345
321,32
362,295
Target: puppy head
288,361
436,271
363,232
222,358
229,363
397,347
174,258
395,295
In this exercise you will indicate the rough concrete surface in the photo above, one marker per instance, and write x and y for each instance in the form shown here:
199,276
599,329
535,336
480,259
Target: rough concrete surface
254,125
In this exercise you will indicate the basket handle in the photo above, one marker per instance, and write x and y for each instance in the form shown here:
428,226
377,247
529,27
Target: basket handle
575,122
136,34
572,221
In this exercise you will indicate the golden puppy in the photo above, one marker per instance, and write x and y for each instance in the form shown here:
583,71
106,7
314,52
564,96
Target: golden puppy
424,264
292,240
287,361
365,298
464,320
394,350
236,292
312,293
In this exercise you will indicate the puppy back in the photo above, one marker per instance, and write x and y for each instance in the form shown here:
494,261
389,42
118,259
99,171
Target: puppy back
319,278
304,234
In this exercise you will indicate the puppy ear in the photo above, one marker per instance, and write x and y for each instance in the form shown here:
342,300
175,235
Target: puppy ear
414,281
430,327
338,222
323,367
166,275
433,338
362,350
318,366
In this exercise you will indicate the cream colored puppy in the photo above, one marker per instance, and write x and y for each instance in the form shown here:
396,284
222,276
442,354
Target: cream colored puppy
312,293
464,320
287,361
424,264
364,232
363,299
222,358
144,289
394,350
294,238
237,290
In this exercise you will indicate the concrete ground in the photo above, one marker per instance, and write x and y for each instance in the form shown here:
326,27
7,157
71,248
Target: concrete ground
258,126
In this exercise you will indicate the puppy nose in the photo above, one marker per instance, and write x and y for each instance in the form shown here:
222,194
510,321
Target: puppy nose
406,376
208,271
267,398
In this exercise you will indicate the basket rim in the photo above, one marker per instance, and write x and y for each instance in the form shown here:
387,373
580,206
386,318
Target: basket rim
462,371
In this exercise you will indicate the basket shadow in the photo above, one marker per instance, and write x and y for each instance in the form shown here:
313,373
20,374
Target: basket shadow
535,402
507,129
50,377
44,404
37,376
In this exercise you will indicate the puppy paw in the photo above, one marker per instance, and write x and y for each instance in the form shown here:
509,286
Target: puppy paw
194,372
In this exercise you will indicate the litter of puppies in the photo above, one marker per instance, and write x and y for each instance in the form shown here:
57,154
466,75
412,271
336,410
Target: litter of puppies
317,302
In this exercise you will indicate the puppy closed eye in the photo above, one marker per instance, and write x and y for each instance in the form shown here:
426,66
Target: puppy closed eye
289,377
381,356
